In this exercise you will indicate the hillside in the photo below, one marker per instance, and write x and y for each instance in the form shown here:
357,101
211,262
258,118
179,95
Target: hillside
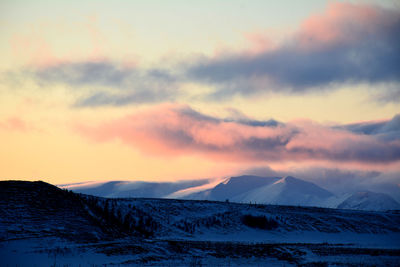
369,201
49,225
232,187
287,191
37,209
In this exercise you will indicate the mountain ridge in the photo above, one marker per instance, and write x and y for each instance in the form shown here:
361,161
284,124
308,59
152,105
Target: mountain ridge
368,200
286,190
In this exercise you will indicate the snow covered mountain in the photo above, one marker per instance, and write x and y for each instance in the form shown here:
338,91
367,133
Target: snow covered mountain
287,191
369,201
243,189
132,188
266,190
232,187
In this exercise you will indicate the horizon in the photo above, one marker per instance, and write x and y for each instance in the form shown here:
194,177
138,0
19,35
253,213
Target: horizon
160,91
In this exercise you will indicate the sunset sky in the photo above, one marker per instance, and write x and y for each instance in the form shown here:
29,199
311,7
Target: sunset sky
172,90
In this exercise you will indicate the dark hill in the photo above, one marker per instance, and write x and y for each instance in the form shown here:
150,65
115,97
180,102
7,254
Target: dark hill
38,209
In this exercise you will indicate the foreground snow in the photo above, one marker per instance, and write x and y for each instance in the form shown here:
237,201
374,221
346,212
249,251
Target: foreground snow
208,252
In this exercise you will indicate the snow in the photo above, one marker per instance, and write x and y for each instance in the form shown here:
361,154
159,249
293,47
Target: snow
287,191
48,252
188,233
334,201
232,187
52,252
196,189
369,201
82,185
133,188
242,189
384,240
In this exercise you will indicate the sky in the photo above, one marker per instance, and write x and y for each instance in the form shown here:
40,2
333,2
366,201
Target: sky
174,90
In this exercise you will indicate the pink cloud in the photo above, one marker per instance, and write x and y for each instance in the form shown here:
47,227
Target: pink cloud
170,130
342,22
259,43
34,48
14,124
338,23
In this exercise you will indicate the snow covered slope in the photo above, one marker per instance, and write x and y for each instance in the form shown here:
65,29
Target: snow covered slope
232,187
370,201
132,188
287,191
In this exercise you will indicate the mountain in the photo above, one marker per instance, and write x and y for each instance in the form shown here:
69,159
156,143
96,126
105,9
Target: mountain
42,225
287,191
245,189
133,188
232,187
369,201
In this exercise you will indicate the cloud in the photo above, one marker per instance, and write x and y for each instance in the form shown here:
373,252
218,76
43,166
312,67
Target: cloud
104,98
348,43
15,124
389,95
102,73
114,84
179,130
385,130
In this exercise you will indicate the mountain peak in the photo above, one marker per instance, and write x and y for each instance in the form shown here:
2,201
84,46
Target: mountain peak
240,184
290,179
368,200
287,191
